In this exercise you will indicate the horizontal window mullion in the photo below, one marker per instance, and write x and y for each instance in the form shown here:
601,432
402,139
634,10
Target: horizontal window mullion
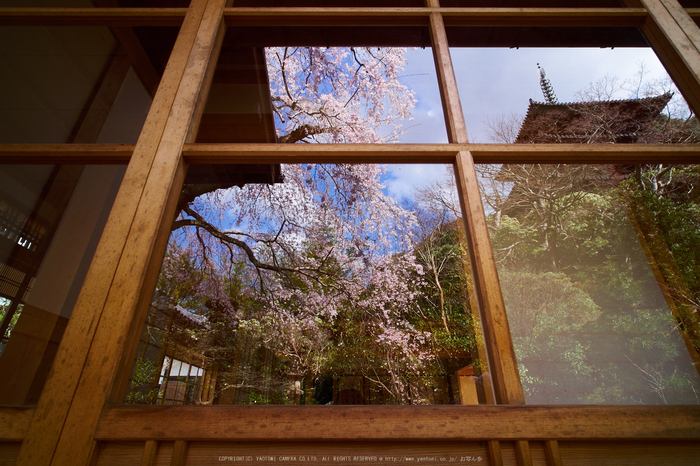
362,153
275,423
92,16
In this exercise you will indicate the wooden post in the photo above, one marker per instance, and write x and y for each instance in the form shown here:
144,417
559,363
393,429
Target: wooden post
495,456
502,361
676,41
150,452
179,453
551,450
127,259
522,453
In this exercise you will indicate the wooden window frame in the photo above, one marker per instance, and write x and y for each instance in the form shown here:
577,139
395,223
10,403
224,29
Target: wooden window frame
78,406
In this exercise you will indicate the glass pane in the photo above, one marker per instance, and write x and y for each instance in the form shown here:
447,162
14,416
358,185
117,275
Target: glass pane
68,85
599,269
534,3
320,288
329,3
289,94
51,218
574,95
48,3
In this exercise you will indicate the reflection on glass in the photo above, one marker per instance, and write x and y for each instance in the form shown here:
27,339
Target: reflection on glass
317,289
627,97
68,85
598,266
320,94
326,3
533,3
51,218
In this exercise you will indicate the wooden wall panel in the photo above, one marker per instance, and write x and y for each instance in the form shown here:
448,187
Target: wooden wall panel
118,453
626,453
14,422
9,452
376,453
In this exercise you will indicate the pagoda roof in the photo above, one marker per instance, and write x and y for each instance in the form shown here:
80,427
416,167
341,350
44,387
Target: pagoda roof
612,121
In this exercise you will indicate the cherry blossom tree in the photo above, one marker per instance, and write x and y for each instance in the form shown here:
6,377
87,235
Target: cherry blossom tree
290,263
341,95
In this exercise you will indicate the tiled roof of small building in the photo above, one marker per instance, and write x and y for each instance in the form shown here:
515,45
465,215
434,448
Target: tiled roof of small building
571,122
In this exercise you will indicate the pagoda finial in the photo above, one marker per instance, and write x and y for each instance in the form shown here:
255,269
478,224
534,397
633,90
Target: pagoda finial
546,86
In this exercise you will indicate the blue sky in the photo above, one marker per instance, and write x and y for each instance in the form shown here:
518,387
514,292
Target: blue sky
493,82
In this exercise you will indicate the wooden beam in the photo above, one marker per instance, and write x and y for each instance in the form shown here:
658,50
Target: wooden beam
135,277
62,428
543,17
684,21
401,423
14,423
65,153
92,16
502,361
361,153
495,456
451,105
179,453
502,365
440,153
551,451
329,16
93,118
522,453
150,453
675,49
419,16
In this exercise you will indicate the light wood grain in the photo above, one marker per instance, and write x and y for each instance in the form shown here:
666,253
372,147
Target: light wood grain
331,16
92,16
451,105
452,16
362,153
56,402
502,361
675,49
501,355
522,453
134,279
179,453
684,21
495,455
150,451
478,423
551,449
14,423
440,153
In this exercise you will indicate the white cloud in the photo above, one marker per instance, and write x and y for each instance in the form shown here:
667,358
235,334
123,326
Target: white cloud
402,180
498,81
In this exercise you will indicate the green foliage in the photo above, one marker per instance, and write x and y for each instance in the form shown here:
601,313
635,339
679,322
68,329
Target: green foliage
589,321
4,307
143,379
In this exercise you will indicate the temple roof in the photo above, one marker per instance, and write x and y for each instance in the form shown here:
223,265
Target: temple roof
612,121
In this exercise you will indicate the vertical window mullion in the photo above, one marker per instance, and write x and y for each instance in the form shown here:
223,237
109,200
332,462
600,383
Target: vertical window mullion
502,362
